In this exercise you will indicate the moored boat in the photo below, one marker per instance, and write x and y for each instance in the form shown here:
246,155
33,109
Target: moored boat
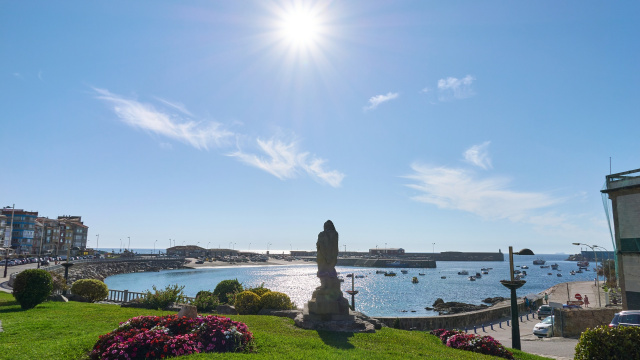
463,272
404,271
539,261
554,266
390,273
472,278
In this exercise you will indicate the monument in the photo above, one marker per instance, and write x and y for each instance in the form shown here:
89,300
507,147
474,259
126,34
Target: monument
327,302
328,309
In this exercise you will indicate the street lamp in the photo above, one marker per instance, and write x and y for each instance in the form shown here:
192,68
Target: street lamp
8,244
97,242
512,285
40,248
597,277
154,246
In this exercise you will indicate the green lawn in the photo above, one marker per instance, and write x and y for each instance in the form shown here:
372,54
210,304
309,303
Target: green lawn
69,330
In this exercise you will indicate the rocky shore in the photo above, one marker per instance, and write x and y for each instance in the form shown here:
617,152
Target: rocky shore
102,270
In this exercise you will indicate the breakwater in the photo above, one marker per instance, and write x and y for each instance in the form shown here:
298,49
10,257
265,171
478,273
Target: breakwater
384,263
101,269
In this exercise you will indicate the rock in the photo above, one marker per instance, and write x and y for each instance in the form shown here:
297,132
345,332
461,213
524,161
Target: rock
226,310
454,307
494,300
58,298
188,311
438,302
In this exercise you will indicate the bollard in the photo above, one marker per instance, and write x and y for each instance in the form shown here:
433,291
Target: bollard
500,324
491,325
475,330
520,318
465,329
527,317
483,328
508,323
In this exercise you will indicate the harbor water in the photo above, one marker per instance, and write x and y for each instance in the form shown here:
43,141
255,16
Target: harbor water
378,295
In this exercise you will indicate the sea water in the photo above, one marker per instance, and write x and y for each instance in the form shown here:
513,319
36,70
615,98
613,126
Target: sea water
378,295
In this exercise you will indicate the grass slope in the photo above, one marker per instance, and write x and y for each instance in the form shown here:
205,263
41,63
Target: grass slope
69,331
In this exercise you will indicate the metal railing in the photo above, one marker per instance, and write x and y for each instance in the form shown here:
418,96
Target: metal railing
123,296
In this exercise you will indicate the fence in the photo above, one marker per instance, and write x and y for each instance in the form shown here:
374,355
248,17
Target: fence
123,296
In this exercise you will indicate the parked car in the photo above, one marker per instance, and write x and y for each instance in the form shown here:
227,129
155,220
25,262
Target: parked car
627,318
571,306
544,311
542,328
616,319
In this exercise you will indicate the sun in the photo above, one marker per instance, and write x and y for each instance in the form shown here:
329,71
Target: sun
300,27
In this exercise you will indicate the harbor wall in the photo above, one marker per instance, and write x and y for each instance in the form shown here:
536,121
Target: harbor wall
384,263
456,321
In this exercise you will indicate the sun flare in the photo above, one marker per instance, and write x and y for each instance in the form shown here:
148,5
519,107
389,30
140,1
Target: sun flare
300,27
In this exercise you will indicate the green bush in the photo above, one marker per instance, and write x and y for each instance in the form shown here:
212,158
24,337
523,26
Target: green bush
161,299
206,301
59,282
90,289
31,287
226,288
247,303
603,342
260,290
276,300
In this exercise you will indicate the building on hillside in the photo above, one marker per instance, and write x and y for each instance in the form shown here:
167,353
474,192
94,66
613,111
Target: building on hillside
623,190
47,236
23,229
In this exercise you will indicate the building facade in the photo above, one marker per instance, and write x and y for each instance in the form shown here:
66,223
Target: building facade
22,225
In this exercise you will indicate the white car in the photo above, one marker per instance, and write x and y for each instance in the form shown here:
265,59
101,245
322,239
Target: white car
544,327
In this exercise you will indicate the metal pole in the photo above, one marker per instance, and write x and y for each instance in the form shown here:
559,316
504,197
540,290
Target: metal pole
597,277
129,243
40,248
6,260
511,264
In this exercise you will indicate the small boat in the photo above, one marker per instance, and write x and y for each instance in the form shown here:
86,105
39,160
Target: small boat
472,278
544,266
443,277
380,272
359,276
539,262
349,275
421,274
579,271
404,271
554,266
524,267
584,263
559,275
549,273
463,272
478,275
414,280
485,272
390,273
517,272
572,272
484,269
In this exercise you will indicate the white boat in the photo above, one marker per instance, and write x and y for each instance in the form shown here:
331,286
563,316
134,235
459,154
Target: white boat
472,278
524,267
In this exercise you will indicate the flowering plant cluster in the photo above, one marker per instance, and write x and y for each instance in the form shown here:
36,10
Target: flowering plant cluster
481,344
157,337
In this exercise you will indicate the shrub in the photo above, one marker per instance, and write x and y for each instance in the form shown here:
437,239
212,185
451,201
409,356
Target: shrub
90,289
158,337
161,299
59,282
609,343
458,339
260,290
247,303
31,287
275,300
225,288
205,301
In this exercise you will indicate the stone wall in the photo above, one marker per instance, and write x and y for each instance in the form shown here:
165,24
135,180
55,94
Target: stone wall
572,322
456,321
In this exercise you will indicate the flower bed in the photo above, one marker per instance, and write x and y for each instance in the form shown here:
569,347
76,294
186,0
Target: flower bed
156,337
481,344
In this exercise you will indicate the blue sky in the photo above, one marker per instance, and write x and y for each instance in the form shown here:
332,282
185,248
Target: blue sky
471,125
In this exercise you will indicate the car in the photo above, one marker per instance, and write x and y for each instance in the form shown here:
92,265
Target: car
629,318
543,328
571,306
544,311
616,319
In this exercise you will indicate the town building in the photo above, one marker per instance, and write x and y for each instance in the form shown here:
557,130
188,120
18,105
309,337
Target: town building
22,227
623,190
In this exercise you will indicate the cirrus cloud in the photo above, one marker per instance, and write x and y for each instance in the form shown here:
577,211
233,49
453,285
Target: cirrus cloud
374,101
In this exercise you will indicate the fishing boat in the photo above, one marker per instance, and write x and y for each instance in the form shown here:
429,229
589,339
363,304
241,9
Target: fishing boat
421,274
554,266
463,272
414,280
472,278
539,261
390,273
404,271
583,264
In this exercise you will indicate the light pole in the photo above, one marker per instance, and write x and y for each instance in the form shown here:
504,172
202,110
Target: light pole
8,245
597,277
512,285
433,250
40,248
385,249
154,246
97,241
608,279
249,246
129,243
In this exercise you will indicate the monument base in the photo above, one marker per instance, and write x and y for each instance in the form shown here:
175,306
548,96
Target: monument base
349,322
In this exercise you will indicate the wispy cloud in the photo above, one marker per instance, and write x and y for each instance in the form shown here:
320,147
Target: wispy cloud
284,160
374,101
199,134
478,155
453,88
489,198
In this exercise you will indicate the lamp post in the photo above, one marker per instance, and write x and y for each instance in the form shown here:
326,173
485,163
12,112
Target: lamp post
97,242
8,245
154,246
129,243
40,248
597,277
512,285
